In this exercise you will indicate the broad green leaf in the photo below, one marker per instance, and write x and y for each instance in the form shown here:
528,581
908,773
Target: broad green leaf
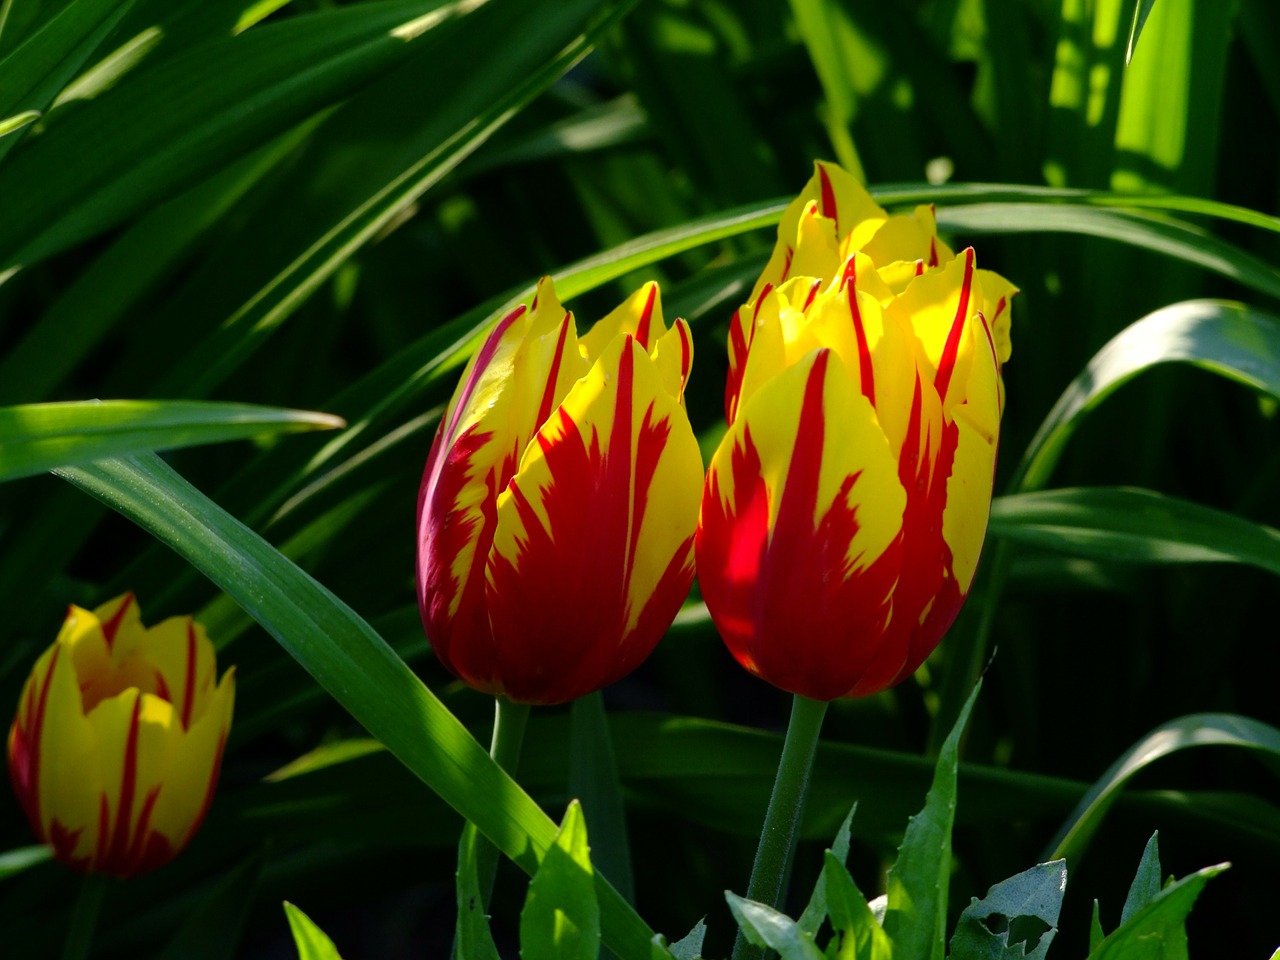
1033,895
38,437
349,660
22,858
1157,931
1129,524
472,938
311,941
212,929
593,780
816,910
859,933
767,927
1196,730
1141,10
1146,882
1230,339
269,79
561,919
916,907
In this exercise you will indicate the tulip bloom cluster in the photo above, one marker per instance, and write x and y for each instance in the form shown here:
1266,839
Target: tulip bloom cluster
845,509
557,509
118,739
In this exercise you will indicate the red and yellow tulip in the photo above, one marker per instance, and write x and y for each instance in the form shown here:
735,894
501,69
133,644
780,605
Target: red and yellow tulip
558,505
115,751
845,509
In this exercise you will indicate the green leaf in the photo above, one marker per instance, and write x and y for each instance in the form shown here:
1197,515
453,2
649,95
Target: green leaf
1096,936
1141,10
18,121
1146,882
593,780
1229,339
349,660
767,927
473,939
858,932
1129,524
212,930
561,919
311,941
269,78
1196,730
38,437
1157,931
816,910
916,912
993,928
22,858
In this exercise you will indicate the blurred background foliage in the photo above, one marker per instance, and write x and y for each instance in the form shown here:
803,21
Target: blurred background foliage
318,205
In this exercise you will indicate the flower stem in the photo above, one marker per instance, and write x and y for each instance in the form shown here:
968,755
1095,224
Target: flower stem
593,779
509,720
84,917
772,869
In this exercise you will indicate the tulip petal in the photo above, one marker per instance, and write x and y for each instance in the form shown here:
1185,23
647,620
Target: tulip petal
998,294
598,520
800,531
523,370
639,315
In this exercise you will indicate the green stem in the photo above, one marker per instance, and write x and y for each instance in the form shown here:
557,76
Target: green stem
509,720
593,779
772,869
84,917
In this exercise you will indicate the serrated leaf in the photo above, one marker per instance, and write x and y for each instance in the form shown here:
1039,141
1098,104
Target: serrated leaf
767,927
1033,894
311,941
816,911
916,906
472,936
1146,882
561,919
1158,931
38,437
689,947
858,934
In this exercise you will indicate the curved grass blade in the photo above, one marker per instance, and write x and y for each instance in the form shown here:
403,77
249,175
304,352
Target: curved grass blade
1226,338
38,437
1135,525
312,942
1158,233
1196,730
352,662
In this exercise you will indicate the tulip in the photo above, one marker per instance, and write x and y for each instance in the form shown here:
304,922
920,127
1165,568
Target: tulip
845,509
558,505
118,739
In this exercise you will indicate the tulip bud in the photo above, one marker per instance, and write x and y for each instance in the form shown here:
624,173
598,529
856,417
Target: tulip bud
115,750
845,509
558,504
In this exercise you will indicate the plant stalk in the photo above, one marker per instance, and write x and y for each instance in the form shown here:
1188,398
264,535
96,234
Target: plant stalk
509,721
772,869
84,917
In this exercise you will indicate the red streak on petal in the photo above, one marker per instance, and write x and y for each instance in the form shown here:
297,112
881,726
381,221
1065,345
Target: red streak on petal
117,851
646,317
786,265
549,391
813,292
919,267
686,356
162,688
947,363
737,364
64,843
110,627
933,251
25,747
483,359
865,370
829,199
785,598
559,609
